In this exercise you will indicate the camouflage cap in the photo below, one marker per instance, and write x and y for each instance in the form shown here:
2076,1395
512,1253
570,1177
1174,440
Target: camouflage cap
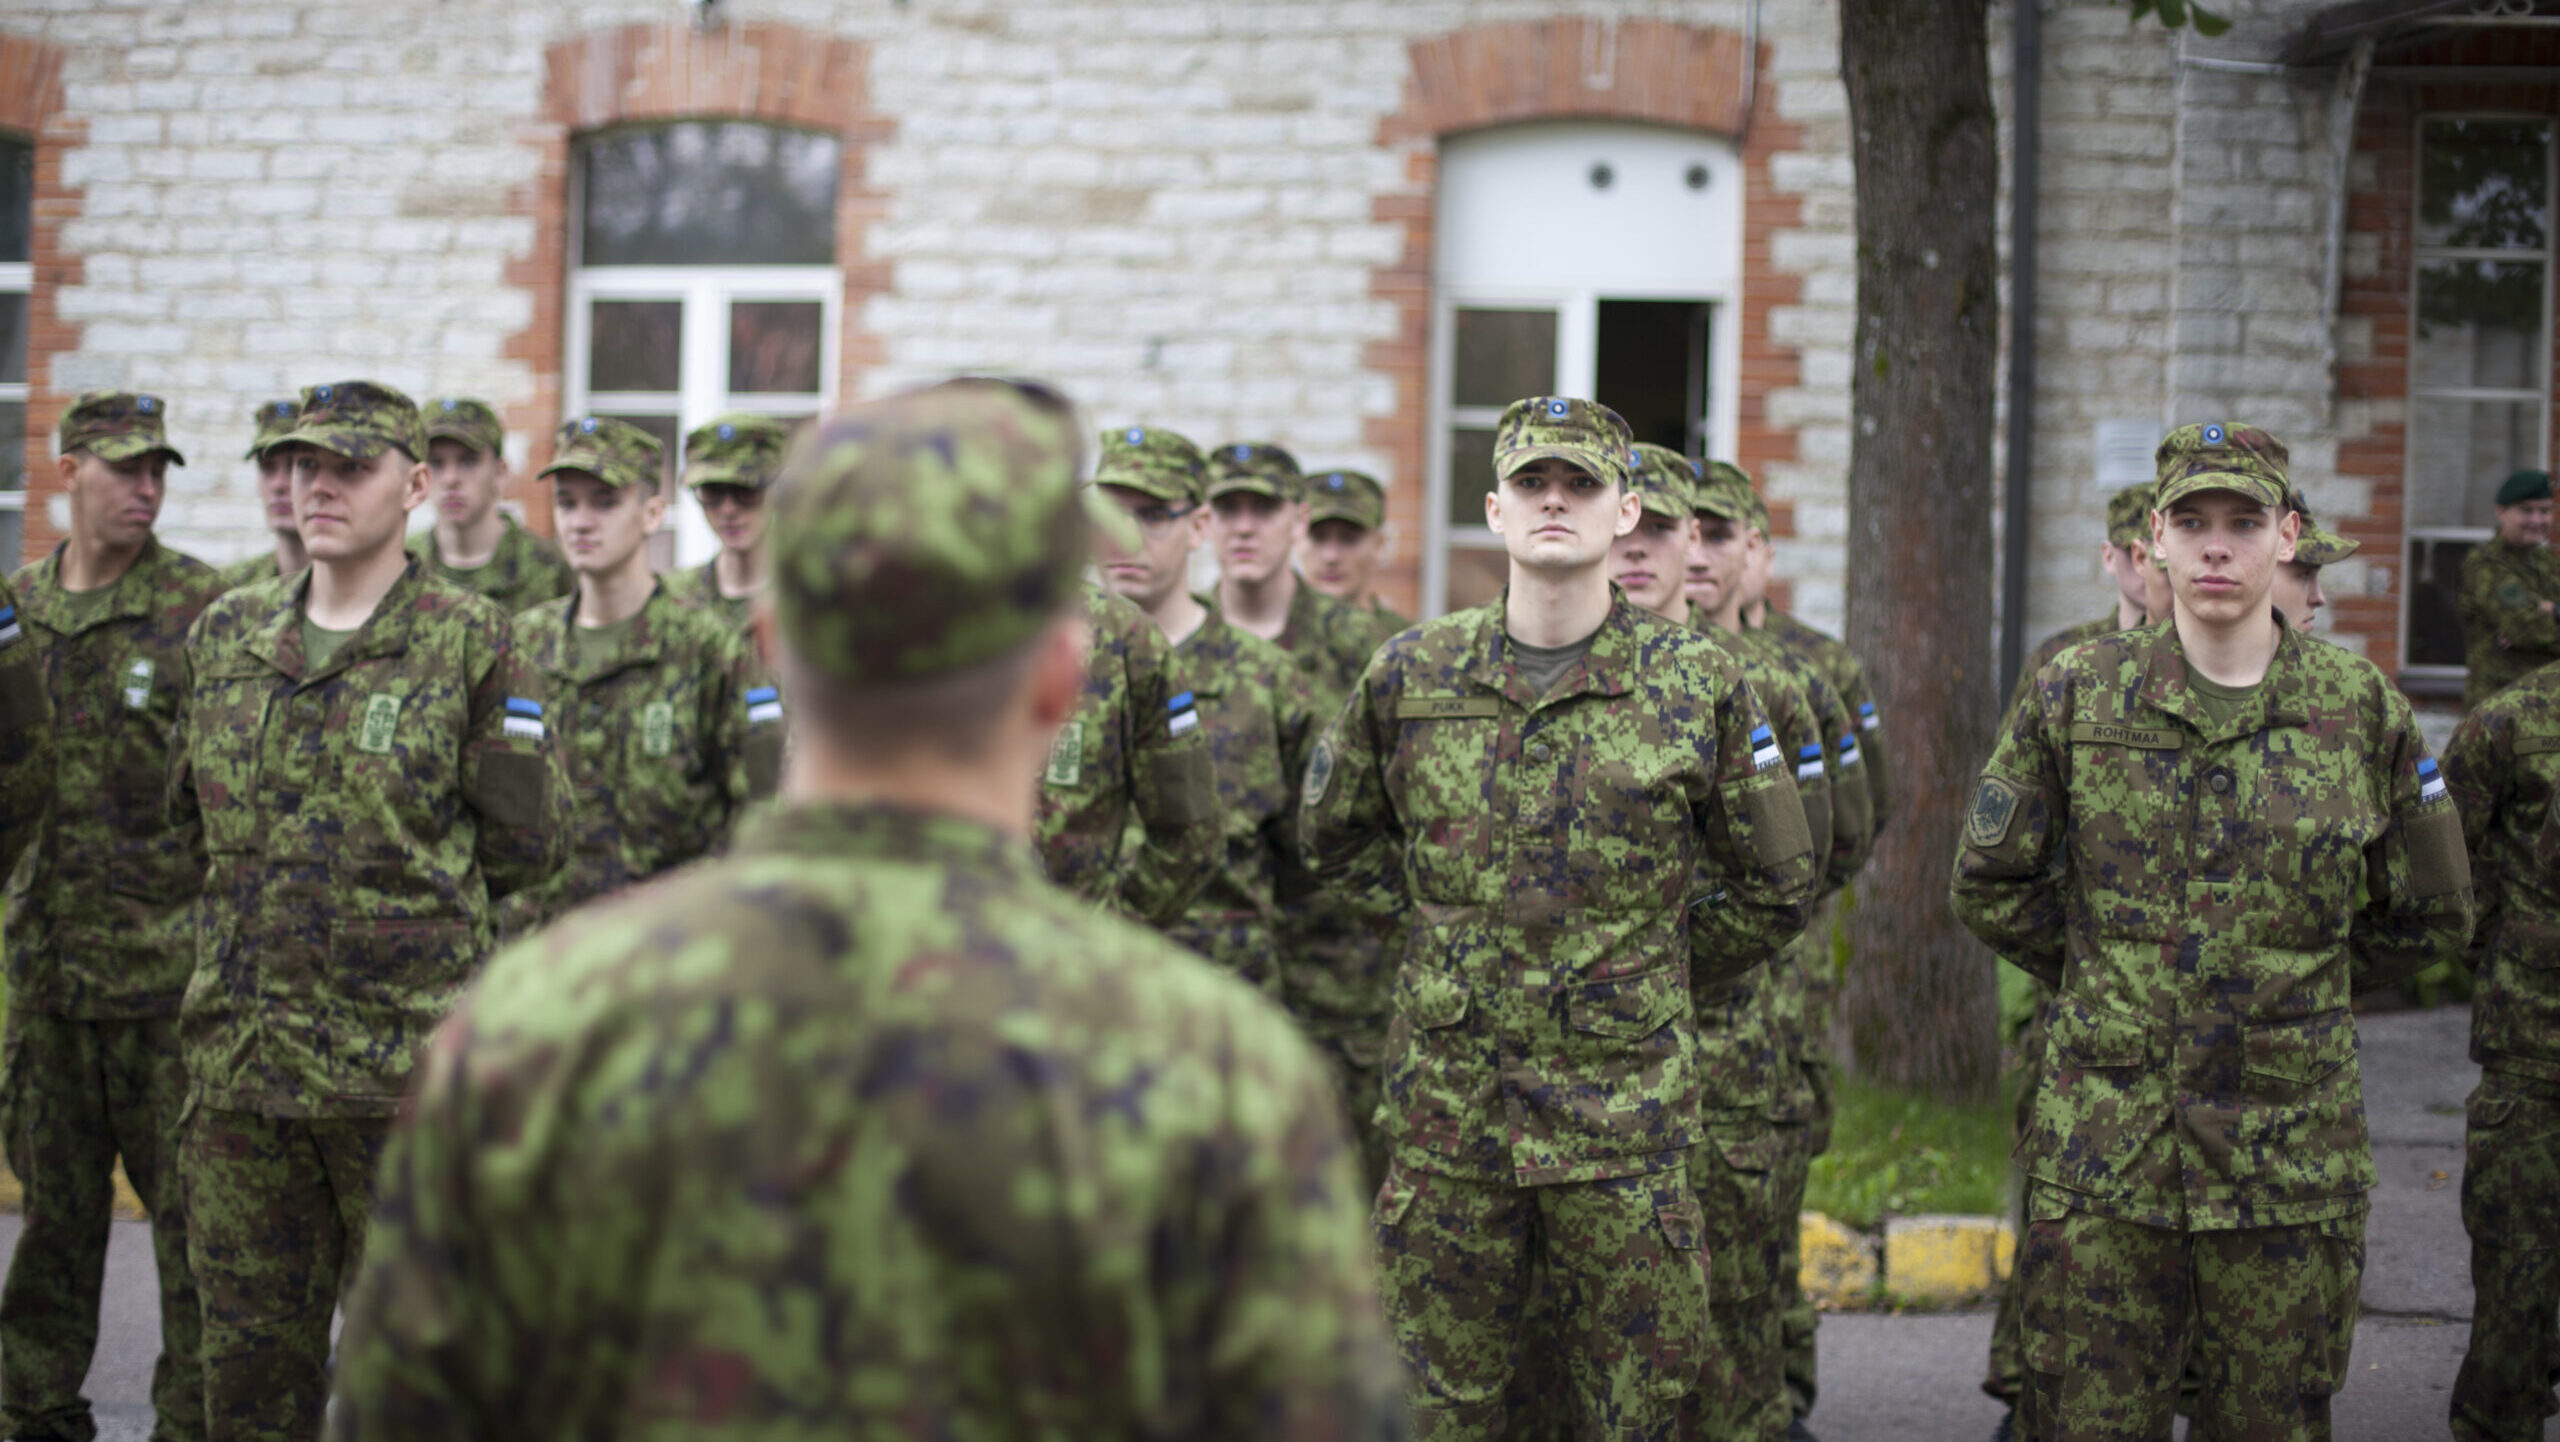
741,448
474,423
360,419
274,421
615,452
1584,433
1726,492
1254,467
2129,516
117,426
1665,481
930,531
1353,496
1153,460
2216,457
2316,545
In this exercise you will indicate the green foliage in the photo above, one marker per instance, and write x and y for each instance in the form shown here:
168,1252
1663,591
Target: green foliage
1905,1153
2175,14
2443,983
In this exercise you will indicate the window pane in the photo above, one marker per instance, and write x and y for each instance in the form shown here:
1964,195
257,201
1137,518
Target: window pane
13,338
1470,476
2484,184
13,455
2479,324
17,205
669,435
2435,578
709,193
1502,355
2459,453
635,345
774,345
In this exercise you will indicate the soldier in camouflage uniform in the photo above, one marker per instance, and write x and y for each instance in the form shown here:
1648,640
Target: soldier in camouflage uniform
728,463
950,1151
1578,818
371,769
275,494
2297,592
1258,516
99,927
662,727
2509,589
2503,769
26,735
475,545
1128,814
2125,554
1346,539
1242,692
2208,836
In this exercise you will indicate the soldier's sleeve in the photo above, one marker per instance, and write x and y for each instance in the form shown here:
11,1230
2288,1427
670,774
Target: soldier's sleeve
2478,771
184,809
2522,626
429,1347
2007,891
26,734
1298,724
512,778
1755,852
1347,823
2417,908
740,713
1853,817
1861,701
1171,788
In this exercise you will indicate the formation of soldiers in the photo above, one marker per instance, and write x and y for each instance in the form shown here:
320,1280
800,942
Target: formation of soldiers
928,970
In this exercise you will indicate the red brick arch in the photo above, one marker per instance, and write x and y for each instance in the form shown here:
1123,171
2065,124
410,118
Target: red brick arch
31,107
1691,76
777,73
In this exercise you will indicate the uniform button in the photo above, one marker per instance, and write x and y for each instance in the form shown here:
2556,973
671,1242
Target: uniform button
1538,752
2220,782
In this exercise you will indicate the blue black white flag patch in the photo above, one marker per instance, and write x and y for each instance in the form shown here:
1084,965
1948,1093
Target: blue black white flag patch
9,625
1184,714
764,703
2430,782
1764,749
1809,761
1866,715
524,718
1849,750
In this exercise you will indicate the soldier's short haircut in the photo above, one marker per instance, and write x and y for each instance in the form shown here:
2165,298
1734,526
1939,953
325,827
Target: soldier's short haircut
953,716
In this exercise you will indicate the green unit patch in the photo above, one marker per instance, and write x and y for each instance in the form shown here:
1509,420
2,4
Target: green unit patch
2113,733
137,683
1995,806
1066,756
658,728
1447,708
381,718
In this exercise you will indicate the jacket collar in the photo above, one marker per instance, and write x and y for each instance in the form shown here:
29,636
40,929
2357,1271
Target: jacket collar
2279,700
1608,669
278,640
45,602
557,651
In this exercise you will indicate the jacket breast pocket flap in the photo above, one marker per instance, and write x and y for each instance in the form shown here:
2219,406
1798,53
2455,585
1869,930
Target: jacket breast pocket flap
1433,998
1633,1007
2303,1052
2089,1035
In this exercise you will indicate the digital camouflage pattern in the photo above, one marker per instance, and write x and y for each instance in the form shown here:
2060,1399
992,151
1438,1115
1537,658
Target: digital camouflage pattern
2211,456
525,571
948,1145
272,421
1565,870
1153,461
1254,468
699,587
742,448
358,821
2315,544
357,418
613,451
1254,711
1353,496
102,923
2129,516
1627,1297
1330,640
116,426
26,733
2503,768
2052,647
254,570
474,423
1128,813
1848,675
929,532
2268,1313
2505,633
1578,432
664,735
2207,898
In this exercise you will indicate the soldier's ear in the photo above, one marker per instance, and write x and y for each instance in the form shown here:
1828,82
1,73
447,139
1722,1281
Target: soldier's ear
2289,535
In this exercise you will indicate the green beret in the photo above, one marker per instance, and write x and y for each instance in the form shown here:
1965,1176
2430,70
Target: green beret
2525,486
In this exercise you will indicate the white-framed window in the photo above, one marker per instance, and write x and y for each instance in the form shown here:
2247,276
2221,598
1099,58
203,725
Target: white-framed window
17,284
2480,299
1574,258
703,281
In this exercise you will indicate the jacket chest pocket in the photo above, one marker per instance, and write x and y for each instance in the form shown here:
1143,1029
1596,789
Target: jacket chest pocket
1447,775
2314,820
227,721
1639,806
2129,809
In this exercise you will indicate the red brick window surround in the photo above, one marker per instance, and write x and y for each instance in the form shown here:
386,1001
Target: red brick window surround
31,111
1692,77
777,74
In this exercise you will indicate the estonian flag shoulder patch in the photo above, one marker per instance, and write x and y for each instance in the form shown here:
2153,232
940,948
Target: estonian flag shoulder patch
764,703
1182,714
524,718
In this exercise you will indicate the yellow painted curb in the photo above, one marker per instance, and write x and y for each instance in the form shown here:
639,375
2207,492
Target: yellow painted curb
1839,1265
1946,1259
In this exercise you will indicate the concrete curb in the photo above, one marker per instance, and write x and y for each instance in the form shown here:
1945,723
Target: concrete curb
1930,1261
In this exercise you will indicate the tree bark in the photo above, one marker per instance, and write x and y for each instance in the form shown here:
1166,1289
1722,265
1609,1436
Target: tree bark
1921,999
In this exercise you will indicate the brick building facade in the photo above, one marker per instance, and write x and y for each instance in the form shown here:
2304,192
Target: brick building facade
1229,218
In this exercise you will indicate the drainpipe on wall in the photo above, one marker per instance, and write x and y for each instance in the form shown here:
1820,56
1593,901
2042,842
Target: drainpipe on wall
2026,63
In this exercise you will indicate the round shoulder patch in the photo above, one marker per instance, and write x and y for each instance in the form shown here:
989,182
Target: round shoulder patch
1319,773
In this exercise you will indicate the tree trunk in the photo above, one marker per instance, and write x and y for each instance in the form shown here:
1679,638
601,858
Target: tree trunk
1921,999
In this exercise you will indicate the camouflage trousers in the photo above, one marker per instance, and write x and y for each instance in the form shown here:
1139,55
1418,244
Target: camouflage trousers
1738,1177
74,1095
1628,1264
2511,1208
2113,1310
278,1207
1797,1320
1357,1069
2007,1374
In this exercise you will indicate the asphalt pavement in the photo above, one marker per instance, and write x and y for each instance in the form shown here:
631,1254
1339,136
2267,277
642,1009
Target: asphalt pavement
1911,1378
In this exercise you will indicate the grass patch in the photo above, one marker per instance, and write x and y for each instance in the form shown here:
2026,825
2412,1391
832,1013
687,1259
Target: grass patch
1895,1153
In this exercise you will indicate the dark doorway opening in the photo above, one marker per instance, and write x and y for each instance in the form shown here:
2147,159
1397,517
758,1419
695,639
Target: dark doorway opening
1653,369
